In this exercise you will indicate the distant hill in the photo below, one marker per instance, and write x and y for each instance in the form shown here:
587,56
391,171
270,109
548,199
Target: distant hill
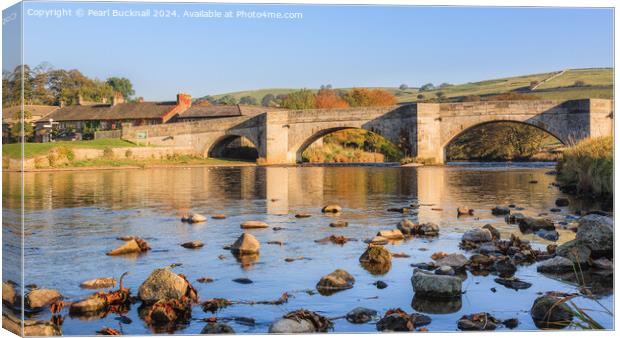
561,85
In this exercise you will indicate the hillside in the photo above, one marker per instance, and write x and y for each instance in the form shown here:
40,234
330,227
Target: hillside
595,83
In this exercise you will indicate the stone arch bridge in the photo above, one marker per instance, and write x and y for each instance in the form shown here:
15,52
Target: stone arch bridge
423,129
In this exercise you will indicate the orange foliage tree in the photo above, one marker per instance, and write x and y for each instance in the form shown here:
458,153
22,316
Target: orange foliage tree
327,98
363,97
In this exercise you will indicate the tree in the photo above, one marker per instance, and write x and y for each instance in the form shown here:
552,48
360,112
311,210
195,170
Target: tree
121,85
428,86
440,95
420,97
403,87
249,100
16,129
445,85
227,100
267,100
363,97
328,98
302,99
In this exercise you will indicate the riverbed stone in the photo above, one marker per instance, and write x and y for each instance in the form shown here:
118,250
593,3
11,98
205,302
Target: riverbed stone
286,325
550,235
254,225
478,322
407,227
531,224
246,244
513,283
196,218
217,328
376,255
547,312
427,229
88,307
603,264
193,244
9,295
575,250
455,261
477,235
31,328
557,264
162,284
505,267
331,208
99,283
500,210
463,210
596,231
337,280
429,285
495,234
514,218
361,315
339,224
488,248
130,247
445,270
391,234
39,298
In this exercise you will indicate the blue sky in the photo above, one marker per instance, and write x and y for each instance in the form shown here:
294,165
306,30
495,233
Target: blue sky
340,45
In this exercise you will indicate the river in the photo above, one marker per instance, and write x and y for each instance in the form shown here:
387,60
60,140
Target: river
73,219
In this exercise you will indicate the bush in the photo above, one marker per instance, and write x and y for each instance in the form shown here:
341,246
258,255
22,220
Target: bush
587,167
108,152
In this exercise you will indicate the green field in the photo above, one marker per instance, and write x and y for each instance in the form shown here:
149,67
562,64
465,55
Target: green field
13,150
597,83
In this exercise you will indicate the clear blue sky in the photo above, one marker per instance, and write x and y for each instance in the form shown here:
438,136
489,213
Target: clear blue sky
339,45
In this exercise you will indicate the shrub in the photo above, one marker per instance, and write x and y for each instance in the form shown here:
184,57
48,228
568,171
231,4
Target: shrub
128,153
587,167
108,152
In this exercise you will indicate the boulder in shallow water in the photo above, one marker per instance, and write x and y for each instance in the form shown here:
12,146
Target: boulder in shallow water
193,244
301,321
196,218
391,234
478,322
454,260
407,227
331,208
217,328
429,285
8,294
531,224
361,315
375,254
556,264
427,229
462,211
133,246
596,231
562,202
246,244
99,283
500,210
603,264
254,225
339,224
494,232
575,250
477,235
39,298
162,284
549,312
337,280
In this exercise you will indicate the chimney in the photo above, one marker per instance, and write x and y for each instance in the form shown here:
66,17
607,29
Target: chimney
184,100
117,98
80,101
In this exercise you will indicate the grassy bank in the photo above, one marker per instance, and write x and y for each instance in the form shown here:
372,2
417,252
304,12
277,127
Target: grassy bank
13,150
587,168
170,161
349,146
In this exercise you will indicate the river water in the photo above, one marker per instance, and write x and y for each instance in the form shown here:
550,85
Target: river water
73,219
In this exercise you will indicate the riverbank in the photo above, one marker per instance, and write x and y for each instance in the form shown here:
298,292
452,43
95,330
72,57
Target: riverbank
587,168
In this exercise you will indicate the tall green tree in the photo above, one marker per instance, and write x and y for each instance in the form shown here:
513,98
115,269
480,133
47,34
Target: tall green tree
302,99
121,85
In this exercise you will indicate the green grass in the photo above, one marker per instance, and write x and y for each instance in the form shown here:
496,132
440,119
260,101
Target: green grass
35,149
598,84
587,167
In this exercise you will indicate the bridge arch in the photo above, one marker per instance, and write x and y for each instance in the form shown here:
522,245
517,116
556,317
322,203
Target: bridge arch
540,126
220,147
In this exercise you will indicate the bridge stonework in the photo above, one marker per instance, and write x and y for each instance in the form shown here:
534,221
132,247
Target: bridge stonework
423,130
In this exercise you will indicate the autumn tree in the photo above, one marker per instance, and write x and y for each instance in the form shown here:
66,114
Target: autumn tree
249,100
328,98
267,100
363,97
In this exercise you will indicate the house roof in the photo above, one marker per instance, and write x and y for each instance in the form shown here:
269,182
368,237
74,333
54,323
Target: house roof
36,112
120,111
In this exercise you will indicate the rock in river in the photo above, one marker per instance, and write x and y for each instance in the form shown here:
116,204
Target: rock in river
596,231
454,260
36,328
339,224
478,322
376,259
361,315
133,246
575,250
301,321
494,232
530,224
254,225
399,321
8,294
39,298
163,284
500,210
548,312
331,208
513,283
193,244
460,211
407,227
99,283
217,328
194,218
556,264
562,202
477,235
391,234
429,285
335,281
246,244
427,229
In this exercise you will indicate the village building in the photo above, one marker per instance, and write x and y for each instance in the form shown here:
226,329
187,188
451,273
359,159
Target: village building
32,113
